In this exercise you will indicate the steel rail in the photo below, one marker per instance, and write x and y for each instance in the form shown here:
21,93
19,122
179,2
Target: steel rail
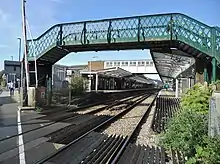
115,157
95,128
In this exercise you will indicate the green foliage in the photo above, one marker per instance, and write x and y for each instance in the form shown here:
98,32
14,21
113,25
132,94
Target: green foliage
184,132
217,82
2,80
207,152
39,109
197,99
77,85
216,85
187,131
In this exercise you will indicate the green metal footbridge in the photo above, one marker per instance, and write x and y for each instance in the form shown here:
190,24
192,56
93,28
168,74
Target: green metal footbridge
160,32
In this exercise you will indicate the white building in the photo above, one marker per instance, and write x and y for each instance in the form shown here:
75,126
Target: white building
145,67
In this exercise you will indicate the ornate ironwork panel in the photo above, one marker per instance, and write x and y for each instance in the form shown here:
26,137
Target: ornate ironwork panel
124,30
96,32
44,43
192,32
218,44
72,33
155,27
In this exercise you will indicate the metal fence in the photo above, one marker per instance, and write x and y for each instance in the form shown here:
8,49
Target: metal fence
214,115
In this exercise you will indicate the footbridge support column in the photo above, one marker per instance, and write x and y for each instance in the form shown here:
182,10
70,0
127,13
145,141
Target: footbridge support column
177,89
214,66
96,82
44,71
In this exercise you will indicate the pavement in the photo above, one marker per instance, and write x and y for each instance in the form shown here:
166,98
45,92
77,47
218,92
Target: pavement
31,145
8,115
169,93
8,119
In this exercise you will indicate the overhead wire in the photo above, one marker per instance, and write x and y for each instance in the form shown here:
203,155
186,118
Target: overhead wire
35,59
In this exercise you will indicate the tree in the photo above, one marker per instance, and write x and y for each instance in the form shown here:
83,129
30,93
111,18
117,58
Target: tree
2,79
77,85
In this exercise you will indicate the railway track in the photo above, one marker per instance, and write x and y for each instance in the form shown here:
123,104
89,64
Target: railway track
66,115
69,117
96,146
92,119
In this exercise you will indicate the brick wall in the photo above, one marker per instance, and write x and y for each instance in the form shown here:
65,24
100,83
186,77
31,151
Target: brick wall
96,65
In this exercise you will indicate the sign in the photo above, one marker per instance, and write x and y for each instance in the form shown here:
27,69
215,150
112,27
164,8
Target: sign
69,72
42,95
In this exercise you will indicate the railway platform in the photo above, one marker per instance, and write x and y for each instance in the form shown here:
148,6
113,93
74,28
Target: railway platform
165,92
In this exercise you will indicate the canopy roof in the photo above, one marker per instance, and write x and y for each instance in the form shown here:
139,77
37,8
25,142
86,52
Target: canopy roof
140,79
118,72
114,72
171,65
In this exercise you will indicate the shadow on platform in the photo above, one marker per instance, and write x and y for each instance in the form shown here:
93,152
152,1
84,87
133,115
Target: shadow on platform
6,100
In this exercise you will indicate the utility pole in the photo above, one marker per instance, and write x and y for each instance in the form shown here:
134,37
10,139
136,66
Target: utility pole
19,59
11,58
19,50
25,42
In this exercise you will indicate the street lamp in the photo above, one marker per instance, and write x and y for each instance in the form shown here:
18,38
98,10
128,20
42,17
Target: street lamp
90,73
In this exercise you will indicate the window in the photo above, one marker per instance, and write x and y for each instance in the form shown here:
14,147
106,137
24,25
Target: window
125,63
109,64
151,63
132,63
141,63
117,63
147,63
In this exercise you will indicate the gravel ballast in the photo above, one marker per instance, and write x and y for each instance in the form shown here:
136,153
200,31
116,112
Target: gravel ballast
127,123
146,135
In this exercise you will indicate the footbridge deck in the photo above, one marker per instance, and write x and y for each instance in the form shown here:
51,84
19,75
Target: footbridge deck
160,32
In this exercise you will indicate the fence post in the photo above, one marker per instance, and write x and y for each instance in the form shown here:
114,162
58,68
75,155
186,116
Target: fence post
214,115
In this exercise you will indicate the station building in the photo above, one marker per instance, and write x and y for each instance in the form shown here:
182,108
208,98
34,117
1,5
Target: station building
139,68
12,71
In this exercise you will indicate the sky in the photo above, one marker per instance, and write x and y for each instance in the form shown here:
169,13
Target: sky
42,14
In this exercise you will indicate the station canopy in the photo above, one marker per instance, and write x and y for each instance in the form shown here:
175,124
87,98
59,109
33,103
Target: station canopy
140,79
116,72
170,65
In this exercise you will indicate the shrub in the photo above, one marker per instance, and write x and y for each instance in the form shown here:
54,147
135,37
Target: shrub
184,132
208,152
77,85
197,99
187,132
